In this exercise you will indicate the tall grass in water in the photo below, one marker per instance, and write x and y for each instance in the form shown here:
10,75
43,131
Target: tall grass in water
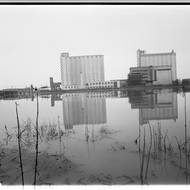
161,145
155,144
164,143
159,138
19,143
86,133
36,159
179,148
185,146
142,161
149,152
60,133
8,136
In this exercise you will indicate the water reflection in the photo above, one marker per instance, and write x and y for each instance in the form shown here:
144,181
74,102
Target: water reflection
130,137
154,105
80,109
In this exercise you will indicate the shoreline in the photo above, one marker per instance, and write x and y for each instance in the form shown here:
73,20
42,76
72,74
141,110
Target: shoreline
136,88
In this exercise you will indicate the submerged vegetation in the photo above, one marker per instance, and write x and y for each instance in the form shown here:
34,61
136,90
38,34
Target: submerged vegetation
158,148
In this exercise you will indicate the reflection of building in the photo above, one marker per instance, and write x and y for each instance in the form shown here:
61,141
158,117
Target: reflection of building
55,97
101,94
80,109
141,99
76,71
154,105
164,65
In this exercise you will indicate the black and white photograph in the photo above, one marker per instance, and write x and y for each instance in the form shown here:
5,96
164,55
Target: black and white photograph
94,94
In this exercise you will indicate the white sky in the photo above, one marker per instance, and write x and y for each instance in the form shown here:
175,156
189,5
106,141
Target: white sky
32,38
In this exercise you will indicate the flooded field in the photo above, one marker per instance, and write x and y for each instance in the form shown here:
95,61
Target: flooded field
119,137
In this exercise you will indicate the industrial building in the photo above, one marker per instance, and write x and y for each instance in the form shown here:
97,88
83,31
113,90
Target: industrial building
164,65
77,71
141,76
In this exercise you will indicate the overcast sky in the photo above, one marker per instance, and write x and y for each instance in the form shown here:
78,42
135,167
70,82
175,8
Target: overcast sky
32,38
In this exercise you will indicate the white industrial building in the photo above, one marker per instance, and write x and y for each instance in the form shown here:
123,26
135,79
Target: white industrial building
77,71
164,65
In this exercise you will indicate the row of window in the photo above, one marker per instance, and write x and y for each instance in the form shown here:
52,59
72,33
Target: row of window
101,83
87,56
91,94
109,86
90,86
71,87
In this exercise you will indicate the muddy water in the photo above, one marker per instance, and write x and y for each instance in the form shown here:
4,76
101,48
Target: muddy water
135,137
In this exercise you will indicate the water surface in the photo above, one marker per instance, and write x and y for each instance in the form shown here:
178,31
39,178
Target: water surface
119,137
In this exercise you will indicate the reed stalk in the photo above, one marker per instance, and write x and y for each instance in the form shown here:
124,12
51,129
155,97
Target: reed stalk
36,159
142,163
19,144
149,152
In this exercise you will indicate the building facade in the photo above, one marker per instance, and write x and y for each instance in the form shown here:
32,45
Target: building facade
164,65
141,76
105,84
77,71
122,83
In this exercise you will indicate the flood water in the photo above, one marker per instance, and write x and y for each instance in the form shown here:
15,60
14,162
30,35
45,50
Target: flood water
116,137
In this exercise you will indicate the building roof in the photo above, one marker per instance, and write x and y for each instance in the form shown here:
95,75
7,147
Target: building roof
78,56
143,53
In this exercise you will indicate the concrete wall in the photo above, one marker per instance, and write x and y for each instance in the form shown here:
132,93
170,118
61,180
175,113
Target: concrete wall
163,77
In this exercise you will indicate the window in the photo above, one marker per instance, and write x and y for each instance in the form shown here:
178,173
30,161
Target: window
155,75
